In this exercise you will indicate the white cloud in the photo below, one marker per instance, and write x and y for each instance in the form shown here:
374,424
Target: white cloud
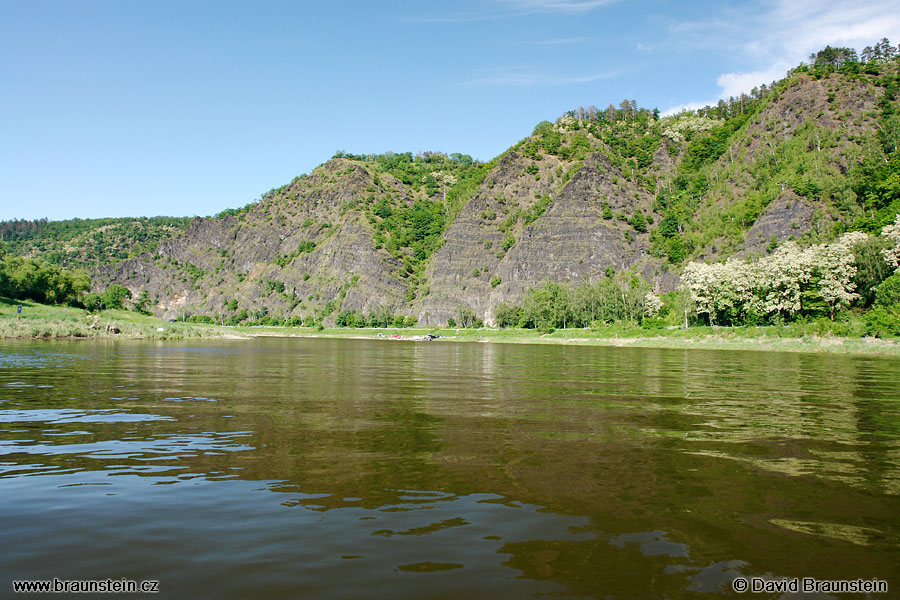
733,84
779,34
805,26
688,106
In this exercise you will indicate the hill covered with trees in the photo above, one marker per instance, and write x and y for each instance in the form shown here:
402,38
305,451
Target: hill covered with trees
88,243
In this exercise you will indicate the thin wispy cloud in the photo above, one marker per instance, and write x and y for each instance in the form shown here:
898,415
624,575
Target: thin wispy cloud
502,9
570,6
528,78
461,18
557,41
779,34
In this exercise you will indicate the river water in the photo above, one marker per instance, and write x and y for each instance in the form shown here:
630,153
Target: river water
315,468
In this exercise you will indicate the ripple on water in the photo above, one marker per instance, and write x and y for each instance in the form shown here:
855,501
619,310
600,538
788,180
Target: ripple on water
72,415
861,536
158,449
191,399
14,360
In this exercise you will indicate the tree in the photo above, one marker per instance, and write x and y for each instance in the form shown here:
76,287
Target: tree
885,50
92,301
835,266
444,179
40,281
871,267
466,316
868,54
782,285
115,296
832,57
892,253
652,305
546,307
628,108
507,315
381,316
611,114
143,300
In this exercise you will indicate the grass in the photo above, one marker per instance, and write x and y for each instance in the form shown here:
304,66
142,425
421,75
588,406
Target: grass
39,321
46,322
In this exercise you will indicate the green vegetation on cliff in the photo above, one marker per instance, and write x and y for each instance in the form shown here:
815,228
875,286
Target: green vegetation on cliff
88,243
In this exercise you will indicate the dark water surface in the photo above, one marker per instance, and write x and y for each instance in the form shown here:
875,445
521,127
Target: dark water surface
348,468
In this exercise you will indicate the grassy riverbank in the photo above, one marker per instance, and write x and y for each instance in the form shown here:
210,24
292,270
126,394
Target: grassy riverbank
40,321
786,339
47,322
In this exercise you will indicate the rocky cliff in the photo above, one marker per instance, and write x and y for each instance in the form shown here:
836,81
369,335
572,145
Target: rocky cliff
596,191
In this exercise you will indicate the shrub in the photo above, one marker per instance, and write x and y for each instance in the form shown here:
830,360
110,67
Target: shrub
888,293
639,222
883,321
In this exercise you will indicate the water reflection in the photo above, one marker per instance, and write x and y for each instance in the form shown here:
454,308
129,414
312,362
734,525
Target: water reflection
287,467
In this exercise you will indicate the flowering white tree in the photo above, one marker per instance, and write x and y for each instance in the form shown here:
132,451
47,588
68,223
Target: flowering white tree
444,179
783,275
892,252
678,128
652,304
717,288
777,284
699,281
835,264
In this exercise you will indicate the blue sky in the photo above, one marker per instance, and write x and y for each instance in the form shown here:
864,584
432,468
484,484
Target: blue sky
189,107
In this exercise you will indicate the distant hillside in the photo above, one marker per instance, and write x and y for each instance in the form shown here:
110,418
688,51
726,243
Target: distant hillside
88,243
595,193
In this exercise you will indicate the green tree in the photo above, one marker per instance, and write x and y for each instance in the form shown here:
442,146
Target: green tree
507,314
142,302
115,296
466,316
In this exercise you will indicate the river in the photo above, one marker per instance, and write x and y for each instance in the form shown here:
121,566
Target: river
281,468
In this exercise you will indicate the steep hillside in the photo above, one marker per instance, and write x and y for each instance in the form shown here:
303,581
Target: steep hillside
300,251
790,161
795,165
597,192
559,223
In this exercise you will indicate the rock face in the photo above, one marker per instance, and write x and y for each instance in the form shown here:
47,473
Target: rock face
307,251
786,217
317,246
569,242
289,255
